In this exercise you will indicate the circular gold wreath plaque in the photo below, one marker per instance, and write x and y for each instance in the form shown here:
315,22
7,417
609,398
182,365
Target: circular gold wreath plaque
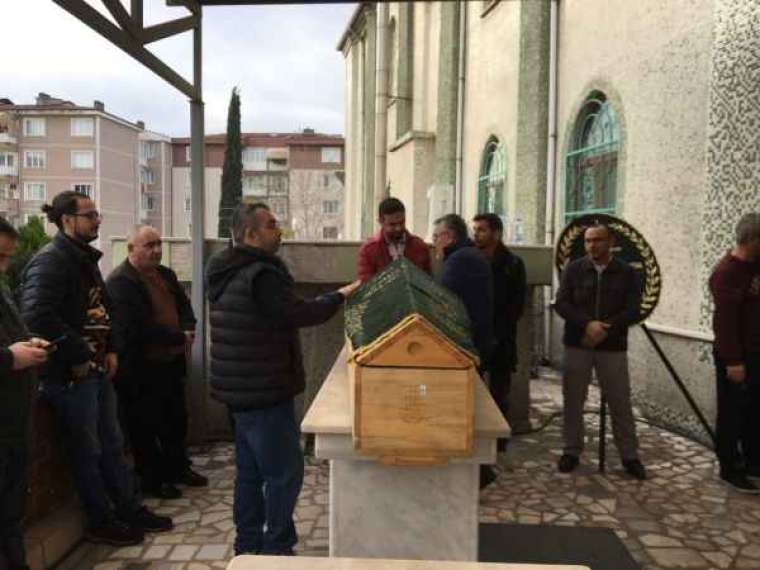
629,245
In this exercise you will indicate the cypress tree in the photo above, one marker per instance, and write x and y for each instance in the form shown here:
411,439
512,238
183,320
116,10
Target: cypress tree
232,172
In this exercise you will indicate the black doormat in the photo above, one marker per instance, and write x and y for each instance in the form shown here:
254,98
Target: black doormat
597,548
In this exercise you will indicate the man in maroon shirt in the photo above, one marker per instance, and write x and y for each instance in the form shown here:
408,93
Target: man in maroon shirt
735,286
390,242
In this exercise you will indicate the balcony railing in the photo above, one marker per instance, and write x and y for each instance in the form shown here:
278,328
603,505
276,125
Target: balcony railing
7,138
9,170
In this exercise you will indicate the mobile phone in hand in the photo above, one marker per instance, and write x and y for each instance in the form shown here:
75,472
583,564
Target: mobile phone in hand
53,345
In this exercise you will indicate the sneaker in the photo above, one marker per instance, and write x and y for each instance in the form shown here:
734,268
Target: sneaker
635,469
567,463
148,521
115,533
192,479
162,491
739,483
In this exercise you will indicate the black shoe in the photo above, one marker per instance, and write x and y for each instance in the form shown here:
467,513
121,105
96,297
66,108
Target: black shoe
501,444
148,521
487,476
739,482
635,469
752,472
162,491
192,479
567,463
115,533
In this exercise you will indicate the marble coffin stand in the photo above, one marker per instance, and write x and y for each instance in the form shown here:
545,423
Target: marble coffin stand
307,563
388,511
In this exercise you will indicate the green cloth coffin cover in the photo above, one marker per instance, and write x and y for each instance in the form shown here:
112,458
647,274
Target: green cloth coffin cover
400,290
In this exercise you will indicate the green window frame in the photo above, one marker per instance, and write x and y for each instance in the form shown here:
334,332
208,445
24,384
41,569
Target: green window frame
492,179
591,162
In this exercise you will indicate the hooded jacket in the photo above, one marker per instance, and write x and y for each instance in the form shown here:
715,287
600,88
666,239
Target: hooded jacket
256,359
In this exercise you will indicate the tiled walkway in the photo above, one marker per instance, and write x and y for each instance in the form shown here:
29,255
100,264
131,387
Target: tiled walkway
682,517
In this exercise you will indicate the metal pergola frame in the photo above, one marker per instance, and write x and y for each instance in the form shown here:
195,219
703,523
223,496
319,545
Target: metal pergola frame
131,36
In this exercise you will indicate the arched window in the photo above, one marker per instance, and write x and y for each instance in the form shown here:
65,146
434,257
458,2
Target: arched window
493,174
591,162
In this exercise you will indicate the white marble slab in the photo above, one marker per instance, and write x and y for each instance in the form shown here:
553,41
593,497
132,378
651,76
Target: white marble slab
310,563
420,513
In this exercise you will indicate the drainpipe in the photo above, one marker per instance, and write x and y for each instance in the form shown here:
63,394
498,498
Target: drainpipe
381,103
458,190
551,165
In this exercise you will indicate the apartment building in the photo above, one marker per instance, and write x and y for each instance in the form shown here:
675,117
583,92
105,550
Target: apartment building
299,175
55,145
9,201
155,183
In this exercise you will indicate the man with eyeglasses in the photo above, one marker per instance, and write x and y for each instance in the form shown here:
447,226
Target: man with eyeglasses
154,325
63,297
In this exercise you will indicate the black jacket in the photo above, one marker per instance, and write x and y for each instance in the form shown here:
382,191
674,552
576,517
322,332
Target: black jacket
134,325
612,297
467,273
54,301
256,359
510,292
16,386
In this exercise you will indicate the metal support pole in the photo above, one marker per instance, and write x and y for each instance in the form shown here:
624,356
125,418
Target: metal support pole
197,376
602,433
680,384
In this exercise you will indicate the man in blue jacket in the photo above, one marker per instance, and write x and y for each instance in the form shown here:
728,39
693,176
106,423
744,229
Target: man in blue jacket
467,273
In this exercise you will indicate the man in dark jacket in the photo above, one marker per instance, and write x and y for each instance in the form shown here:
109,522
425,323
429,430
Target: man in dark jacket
467,273
735,287
509,295
599,299
63,297
153,326
257,370
19,356
391,241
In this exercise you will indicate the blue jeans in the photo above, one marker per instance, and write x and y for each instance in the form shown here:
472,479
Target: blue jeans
87,415
269,476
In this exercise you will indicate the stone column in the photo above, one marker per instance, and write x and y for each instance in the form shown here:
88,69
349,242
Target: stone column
530,181
446,123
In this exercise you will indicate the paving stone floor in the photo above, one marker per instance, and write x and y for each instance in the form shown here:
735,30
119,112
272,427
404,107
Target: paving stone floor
681,517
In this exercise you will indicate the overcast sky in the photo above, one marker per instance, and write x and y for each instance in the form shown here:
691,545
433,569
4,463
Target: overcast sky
283,58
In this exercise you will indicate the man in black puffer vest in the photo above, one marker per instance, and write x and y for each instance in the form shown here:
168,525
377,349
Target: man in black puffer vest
257,370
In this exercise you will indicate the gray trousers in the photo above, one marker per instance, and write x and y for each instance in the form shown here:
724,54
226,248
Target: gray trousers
611,369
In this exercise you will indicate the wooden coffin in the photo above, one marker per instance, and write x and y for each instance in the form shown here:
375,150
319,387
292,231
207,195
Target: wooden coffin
412,369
